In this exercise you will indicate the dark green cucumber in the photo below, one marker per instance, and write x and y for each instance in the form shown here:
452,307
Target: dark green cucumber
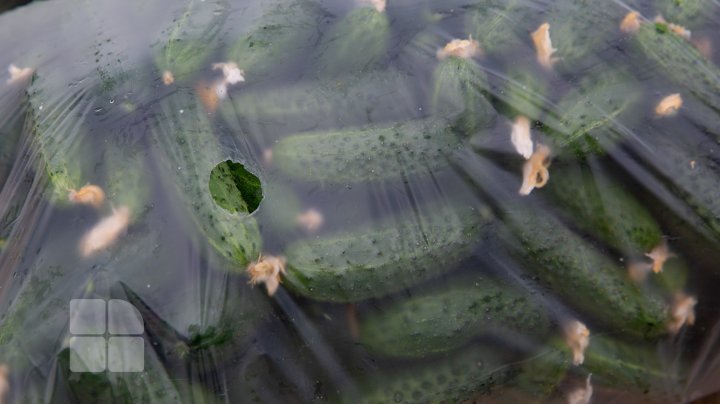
285,32
355,43
612,363
378,152
462,375
586,279
680,62
189,150
524,93
603,208
371,97
595,115
457,92
193,37
394,255
448,317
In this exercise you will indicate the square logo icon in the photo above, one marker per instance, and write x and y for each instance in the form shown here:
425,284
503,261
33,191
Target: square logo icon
87,354
126,354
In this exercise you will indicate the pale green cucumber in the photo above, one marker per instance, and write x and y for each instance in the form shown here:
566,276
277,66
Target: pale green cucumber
355,43
193,37
287,31
587,280
447,317
389,257
189,150
378,152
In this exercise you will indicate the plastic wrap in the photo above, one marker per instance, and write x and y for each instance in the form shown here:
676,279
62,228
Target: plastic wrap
211,201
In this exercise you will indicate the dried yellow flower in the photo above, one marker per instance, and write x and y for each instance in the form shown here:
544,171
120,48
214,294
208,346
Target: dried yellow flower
90,194
267,269
543,46
168,78
310,220
105,232
682,312
577,338
669,105
521,137
535,170
462,48
631,22
659,255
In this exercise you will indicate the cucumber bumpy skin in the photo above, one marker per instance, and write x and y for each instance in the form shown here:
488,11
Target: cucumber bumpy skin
457,92
442,319
690,13
357,99
397,254
191,39
189,151
495,25
459,376
284,33
586,279
590,119
602,208
383,152
681,62
355,43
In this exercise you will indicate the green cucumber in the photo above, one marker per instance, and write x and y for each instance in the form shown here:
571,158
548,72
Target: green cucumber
689,13
390,257
192,38
605,209
459,376
189,150
127,176
445,318
355,43
586,279
680,62
457,92
594,116
495,25
371,97
581,30
377,152
524,93
284,33
612,363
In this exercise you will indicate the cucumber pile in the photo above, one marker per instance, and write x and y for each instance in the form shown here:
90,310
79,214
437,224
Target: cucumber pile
363,201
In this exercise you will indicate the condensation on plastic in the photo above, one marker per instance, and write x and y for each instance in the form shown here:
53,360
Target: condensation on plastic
410,258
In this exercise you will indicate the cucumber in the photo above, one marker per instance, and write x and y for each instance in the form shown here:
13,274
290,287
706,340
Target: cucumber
457,377
581,30
189,42
613,364
284,33
448,317
523,93
495,26
127,176
188,151
394,255
680,62
376,152
586,279
689,13
593,117
356,43
370,97
605,209
457,87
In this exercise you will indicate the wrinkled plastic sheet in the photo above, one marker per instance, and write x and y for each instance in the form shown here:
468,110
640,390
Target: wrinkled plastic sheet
418,201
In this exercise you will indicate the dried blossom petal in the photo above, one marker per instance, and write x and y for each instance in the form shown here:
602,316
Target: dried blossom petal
208,95
659,255
105,232
543,46
310,220
90,194
521,138
631,22
267,269
669,105
231,72
638,271
168,78
675,28
462,48
577,337
581,395
19,74
682,312
535,170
